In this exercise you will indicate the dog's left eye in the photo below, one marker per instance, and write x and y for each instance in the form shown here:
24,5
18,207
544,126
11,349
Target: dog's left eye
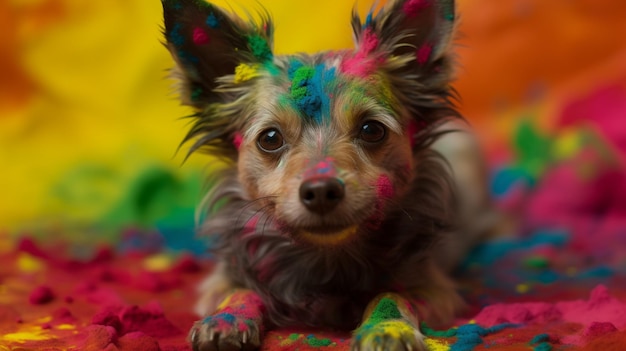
270,140
372,132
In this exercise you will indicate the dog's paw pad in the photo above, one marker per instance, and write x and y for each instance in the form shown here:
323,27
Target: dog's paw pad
391,335
225,332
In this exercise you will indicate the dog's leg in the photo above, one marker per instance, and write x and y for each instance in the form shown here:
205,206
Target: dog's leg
390,323
237,324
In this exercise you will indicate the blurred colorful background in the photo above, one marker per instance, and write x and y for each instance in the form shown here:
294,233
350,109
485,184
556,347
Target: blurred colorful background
90,127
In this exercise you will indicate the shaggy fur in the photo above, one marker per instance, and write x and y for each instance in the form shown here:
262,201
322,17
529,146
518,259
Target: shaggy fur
365,118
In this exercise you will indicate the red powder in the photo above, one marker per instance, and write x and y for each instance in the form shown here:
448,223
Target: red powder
186,264
108,317
423,53
599,329
63,316
137,341
149,320
384,187
610,342
200,37
41,295
96,338
412,7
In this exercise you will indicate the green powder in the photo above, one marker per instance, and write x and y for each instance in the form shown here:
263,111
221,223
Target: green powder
315,342
260,48
385,310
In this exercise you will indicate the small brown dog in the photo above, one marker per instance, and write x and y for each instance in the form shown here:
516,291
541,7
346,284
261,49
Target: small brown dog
333,200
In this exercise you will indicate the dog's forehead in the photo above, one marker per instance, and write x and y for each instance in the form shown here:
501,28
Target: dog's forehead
325,87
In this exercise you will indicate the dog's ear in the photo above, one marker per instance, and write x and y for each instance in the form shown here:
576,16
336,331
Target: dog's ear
413,39
208,43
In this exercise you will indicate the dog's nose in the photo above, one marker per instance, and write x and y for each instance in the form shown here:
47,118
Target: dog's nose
321,195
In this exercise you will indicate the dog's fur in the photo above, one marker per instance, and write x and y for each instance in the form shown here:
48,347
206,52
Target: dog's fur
364,119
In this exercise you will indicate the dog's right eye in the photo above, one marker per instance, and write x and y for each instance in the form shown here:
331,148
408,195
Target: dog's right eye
271,140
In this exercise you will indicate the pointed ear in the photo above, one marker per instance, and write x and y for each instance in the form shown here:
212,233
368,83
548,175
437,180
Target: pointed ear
208,43
413,38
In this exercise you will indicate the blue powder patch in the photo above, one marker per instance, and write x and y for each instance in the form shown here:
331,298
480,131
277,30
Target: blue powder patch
212,21
470,335
539,338
487,254
309,89
175,37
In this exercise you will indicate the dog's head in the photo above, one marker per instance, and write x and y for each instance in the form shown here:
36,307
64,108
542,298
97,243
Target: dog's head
328,141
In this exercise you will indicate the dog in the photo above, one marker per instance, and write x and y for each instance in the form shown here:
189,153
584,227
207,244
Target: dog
333,200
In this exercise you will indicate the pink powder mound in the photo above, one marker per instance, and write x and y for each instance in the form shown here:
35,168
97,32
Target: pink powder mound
41,295
200,37
600,308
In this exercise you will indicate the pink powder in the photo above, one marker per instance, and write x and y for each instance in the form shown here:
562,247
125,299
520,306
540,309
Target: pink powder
412,7
600,308
384,187
369,43
237,140
41,295
200,37
423,53
363,63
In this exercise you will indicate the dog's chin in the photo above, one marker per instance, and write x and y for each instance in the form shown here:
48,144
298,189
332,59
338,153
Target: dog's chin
327,236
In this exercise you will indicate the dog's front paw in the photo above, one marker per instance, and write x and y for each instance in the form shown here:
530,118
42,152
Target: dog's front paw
225,332
388,335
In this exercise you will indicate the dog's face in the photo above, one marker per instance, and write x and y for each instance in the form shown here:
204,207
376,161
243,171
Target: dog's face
326,142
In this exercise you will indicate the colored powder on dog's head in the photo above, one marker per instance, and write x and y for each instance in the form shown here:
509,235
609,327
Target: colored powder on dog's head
413,7
212,21
363,62
200,37
260,48
423,53
309,89
245,72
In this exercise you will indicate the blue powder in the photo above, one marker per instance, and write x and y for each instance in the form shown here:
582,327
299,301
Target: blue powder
487,254
544,346
212,21
539,338
175,37
470,335
309,86
368,19
226,317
